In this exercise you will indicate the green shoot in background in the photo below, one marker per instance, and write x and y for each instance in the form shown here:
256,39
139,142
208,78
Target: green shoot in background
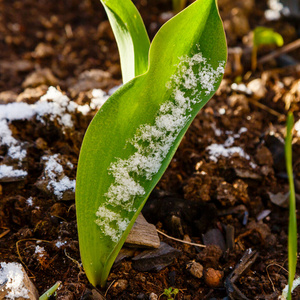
178,5
50,292
263,36
135,134
292,236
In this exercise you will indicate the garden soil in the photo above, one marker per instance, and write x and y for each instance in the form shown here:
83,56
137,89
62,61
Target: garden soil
234,202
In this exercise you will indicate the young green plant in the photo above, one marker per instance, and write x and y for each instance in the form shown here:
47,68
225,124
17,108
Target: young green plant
133,137
263,36
292,235
169,293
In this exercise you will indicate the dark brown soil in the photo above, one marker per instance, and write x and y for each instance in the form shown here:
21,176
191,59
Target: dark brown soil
58,41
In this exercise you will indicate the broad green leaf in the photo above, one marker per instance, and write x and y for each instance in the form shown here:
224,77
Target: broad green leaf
292,238
131,36
266,36
132,139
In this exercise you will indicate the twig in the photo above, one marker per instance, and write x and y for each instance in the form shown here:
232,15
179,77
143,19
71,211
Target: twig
285,49
18,251
4,233
281,267
266,108
75,262
109,288
181,241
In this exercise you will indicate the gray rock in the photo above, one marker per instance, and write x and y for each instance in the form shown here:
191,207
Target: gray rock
155,260
214,237
143,234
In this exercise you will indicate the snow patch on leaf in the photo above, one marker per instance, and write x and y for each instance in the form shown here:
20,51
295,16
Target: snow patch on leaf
195,78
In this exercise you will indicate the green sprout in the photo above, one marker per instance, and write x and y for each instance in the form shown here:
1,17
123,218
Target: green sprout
292,235
132,139
169,293
263,36
51,291
178,5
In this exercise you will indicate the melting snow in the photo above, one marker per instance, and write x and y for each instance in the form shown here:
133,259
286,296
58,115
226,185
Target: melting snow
54,170
195,79
99,98
8,171
216,150
29,201
40,251
12,272
59,244
225,150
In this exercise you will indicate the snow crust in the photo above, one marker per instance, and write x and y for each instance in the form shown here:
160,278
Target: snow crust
53,104
40,251
195,78
8,171
216,151
12,272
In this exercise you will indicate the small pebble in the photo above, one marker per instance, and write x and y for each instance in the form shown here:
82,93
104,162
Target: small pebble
213,278
195,269
258,88
153,296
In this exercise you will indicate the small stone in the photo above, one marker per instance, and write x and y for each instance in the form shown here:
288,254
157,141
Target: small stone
143,234
258,88
40,77
8,97
213,278
246,173
264,156
153,296
31,95
195,269
280,199
15,284
214,237
89,80
43,50
155,260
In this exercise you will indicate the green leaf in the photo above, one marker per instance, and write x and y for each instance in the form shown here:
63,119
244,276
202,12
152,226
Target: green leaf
292,237
266,36
131,36
132,139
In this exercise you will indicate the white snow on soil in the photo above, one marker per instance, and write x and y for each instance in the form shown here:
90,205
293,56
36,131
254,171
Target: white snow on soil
58,182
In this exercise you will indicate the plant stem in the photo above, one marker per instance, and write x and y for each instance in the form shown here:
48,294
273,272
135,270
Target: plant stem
292,235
